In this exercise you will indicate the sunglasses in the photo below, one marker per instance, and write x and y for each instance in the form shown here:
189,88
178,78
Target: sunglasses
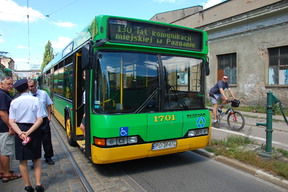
225,78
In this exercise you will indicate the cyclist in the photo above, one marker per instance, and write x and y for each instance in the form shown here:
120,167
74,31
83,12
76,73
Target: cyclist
216,93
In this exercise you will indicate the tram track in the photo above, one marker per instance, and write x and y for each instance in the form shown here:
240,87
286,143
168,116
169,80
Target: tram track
109,177
77,169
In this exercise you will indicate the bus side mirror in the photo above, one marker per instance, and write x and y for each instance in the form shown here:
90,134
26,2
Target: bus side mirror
207,69
85,58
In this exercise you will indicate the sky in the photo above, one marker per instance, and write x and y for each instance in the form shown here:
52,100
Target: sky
27,25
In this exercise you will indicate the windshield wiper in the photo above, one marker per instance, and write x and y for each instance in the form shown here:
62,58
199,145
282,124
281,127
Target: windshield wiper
175,92
141,107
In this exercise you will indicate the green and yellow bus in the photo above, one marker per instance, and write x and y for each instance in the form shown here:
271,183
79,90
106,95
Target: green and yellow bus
144,89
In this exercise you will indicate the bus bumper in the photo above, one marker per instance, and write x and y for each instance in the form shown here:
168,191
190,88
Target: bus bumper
125,153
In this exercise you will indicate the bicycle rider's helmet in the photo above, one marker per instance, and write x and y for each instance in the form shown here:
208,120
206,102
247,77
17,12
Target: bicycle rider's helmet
235,103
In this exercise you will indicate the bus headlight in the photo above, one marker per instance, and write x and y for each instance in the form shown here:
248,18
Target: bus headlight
111,142
132,139
197,132
122,140
204,131
191,133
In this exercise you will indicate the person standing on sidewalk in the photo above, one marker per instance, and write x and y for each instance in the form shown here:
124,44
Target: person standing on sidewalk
7,144
25,117
216,93
45,127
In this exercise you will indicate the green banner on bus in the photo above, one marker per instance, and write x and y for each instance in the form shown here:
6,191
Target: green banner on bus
135,32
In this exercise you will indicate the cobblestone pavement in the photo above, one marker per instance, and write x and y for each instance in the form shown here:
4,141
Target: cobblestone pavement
55,178
62,177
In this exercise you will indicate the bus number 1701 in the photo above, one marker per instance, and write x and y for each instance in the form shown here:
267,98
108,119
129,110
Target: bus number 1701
161,118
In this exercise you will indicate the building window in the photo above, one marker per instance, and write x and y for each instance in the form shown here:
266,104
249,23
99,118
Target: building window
227,66
278,66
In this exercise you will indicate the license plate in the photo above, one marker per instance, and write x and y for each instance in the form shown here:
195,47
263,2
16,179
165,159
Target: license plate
164,145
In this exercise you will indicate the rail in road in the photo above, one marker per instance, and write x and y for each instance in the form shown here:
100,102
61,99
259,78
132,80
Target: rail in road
76,167
64,175
72,171
94,177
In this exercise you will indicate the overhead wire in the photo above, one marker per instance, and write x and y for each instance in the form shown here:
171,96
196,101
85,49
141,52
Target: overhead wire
48,15
28,24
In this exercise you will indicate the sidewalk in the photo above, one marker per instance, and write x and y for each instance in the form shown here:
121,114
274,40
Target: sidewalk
278,121
262,115
59,177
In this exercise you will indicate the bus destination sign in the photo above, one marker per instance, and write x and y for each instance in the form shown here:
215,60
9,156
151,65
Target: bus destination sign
127,31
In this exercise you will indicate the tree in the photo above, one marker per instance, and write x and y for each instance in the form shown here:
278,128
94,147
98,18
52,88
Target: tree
48,55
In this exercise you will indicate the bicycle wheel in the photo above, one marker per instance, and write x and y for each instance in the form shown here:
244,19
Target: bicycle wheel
235,121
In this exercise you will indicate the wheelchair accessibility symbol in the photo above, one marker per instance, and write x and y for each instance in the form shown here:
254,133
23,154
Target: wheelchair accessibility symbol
123,131
201,122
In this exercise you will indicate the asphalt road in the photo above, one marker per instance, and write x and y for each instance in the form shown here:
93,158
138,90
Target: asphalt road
191,172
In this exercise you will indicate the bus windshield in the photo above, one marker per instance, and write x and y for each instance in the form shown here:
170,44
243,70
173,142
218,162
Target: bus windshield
128,82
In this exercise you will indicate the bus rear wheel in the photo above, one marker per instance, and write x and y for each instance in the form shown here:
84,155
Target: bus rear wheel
69,133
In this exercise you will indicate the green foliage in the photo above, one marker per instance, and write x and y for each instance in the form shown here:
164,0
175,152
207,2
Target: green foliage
48,55
283,152
282,168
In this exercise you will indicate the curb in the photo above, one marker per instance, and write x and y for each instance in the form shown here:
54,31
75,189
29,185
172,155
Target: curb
246,168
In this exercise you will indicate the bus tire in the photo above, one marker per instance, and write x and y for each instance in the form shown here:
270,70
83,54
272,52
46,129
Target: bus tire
69,133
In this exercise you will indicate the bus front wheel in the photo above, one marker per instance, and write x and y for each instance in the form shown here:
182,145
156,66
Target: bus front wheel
69,132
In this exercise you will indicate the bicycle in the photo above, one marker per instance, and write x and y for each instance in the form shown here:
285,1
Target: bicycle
235,119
